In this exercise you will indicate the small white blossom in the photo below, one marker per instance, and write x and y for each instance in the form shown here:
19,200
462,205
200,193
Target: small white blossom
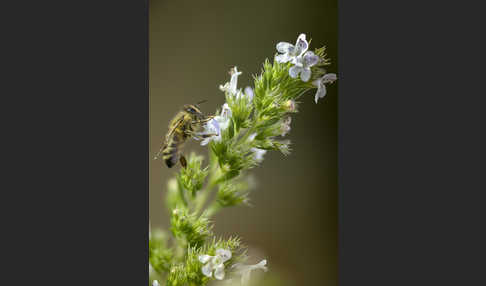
303,65
224,117
215,264
321,84
289,52
231,87
245,270
212,129
155,283
215,126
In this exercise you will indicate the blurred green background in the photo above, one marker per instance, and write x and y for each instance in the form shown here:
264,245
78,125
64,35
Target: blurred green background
192,46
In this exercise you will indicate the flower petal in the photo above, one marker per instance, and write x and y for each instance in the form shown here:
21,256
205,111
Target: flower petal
329,78
283,58
207,269
260,265
225,87
298,61
305,74
223,253
223,123
215,126
321,92
155,283
225,111
294,71
219,272
310,59
234,81
249,93
301,45
204,258
284,47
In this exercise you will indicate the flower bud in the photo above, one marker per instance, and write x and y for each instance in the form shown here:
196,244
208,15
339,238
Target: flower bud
290,106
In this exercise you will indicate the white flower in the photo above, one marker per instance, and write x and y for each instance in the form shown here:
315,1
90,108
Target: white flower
224,117
231,87
212,130
155,283
215,263
289,52
258,154
245,270
302,66
215,126
321,84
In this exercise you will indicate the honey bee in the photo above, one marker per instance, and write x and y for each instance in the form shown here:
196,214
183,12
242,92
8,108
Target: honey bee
181,127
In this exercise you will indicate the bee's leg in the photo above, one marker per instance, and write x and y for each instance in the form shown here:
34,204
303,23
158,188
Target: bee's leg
208,135
191,134
183,161
198,136
204,120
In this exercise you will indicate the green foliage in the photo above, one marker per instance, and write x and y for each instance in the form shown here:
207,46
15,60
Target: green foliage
189,228
193,176
241,109
160,255
233,244
233,194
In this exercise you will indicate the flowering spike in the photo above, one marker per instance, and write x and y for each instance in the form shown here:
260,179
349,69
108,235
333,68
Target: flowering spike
238,136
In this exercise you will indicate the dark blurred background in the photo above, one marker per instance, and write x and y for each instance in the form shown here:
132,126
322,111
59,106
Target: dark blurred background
192,46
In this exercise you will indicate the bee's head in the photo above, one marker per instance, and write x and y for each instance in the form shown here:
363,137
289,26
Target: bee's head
193,110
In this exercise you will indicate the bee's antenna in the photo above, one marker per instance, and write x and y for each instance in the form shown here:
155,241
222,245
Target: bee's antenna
202,101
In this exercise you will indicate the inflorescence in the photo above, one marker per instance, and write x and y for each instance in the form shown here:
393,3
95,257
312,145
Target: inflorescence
250,123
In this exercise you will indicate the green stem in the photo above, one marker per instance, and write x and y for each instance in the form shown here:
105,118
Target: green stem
213,209
204,195
181,193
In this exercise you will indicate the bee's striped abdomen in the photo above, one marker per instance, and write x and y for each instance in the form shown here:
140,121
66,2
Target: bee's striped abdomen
170,154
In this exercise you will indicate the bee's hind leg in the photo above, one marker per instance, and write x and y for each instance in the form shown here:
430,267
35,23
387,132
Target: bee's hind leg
183,161
199,136
208,135
208,118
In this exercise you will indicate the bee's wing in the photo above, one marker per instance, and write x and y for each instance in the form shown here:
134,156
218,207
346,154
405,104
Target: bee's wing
173,127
